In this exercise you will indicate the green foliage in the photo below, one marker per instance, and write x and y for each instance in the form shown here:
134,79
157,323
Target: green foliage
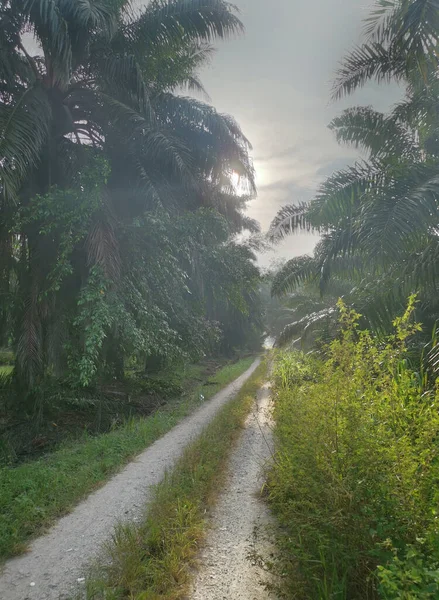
378,217
66,215
412,577
95,319
7,357
290,368
356,470
108,172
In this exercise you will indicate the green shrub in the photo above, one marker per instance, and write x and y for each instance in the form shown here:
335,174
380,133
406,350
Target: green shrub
415,576
6,357
291,368
355,482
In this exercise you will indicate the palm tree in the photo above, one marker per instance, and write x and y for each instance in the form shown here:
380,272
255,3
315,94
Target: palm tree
402,40
97,77
379,218
97,109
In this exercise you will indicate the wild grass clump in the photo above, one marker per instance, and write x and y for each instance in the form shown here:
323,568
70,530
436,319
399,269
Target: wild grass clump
152,560
355,484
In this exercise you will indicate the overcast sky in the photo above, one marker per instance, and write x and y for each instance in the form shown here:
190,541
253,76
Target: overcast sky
275,80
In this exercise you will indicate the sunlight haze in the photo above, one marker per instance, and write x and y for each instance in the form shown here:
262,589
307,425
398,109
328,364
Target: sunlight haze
276,80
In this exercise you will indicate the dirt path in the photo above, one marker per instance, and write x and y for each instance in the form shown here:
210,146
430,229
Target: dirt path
231,565
54,567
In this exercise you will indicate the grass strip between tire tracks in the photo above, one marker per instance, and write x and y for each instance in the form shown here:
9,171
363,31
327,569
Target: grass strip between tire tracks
34,494
153,559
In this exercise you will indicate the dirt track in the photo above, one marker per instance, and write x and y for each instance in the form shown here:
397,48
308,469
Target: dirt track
55,562
232,562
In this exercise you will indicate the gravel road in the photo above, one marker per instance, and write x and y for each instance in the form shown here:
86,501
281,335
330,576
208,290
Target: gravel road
55,565
231,564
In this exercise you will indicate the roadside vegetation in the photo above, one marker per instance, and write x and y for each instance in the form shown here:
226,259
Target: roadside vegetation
119,215
355,480
37,492
155,558
127,262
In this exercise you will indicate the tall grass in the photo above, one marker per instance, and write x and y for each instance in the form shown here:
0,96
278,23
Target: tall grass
355,482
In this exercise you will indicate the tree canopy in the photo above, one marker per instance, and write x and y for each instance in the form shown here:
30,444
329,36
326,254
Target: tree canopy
118,213
378,219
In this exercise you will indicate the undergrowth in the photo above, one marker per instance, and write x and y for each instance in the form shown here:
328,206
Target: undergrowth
55,412
35,493
355,484
152,560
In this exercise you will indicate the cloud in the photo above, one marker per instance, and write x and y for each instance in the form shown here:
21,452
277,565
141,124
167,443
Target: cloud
285,153
333,165
284,186
276,81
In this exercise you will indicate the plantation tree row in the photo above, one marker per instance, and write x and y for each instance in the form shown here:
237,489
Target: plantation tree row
378,219
118,216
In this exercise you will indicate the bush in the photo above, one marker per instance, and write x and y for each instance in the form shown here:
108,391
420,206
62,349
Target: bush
415,576
355,482
6,357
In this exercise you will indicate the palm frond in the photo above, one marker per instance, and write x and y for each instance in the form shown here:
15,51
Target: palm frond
301,329
121,77
290,219
422,267
167,21
293,274
97,15
24,130
334,254
418,31
216,141
403,37
52,31
231,206
406,207
419,111
144,138
370,61
381,22
176,67
380,298
15,67
339,197
194,84
188,110
374,132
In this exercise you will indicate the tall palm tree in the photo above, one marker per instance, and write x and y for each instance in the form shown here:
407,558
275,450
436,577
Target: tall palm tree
105,81
379,218
91,77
